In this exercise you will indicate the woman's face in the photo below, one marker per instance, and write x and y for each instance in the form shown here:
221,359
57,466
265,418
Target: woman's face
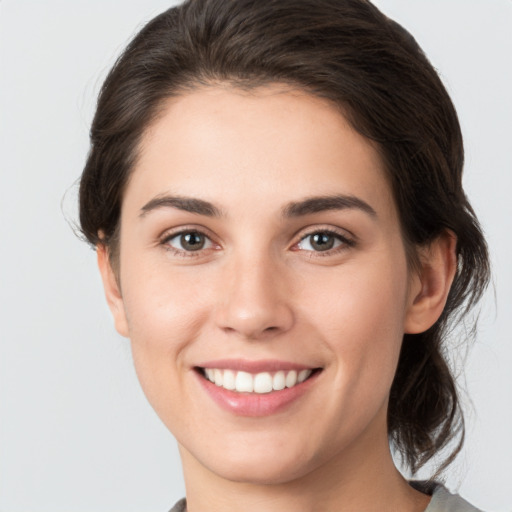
260,243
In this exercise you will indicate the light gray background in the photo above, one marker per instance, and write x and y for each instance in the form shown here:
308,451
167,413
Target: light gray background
76,433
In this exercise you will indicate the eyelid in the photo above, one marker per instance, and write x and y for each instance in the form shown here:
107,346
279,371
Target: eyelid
325,228
185,228
169,234
347,238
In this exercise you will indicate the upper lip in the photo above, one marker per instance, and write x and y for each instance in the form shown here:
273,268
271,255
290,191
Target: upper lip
263,365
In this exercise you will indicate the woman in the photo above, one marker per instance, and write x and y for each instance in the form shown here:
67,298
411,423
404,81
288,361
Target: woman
274,192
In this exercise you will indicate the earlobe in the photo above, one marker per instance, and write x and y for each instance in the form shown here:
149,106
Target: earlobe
432,283
112,290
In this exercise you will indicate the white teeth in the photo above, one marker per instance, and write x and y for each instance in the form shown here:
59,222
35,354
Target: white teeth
291,379
244,382
229,381
264,382
303,375
279,381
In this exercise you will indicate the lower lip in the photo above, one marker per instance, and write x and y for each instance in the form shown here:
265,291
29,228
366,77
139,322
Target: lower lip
256,404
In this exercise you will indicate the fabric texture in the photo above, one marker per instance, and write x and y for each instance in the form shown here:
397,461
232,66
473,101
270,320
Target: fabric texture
181,506
442,501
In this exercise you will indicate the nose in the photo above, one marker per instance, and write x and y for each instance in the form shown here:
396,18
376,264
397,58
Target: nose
255,299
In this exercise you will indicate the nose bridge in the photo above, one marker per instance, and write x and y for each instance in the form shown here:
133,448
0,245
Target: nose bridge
255,300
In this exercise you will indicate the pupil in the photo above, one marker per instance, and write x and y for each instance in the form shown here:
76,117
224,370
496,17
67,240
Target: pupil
322,241
192,241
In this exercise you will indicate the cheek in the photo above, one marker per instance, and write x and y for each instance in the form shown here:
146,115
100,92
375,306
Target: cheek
360,321
163,306
165,314
361,315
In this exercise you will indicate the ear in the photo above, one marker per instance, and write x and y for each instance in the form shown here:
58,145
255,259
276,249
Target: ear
431,283
112,290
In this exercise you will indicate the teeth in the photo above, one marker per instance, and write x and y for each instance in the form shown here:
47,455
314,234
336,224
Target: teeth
291,379
229,380
303,375
264,382
244,382
279,381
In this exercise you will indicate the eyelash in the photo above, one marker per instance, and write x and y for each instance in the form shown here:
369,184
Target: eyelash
346,242
182,252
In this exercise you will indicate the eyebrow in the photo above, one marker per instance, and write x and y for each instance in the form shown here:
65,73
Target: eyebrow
324,203
187,204
306,206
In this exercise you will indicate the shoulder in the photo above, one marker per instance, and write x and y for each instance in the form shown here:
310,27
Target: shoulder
443,500
181,506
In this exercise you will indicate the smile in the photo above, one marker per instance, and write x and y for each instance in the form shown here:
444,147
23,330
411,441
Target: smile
263,382
255,388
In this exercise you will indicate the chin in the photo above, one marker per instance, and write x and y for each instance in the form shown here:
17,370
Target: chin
268,462
270,470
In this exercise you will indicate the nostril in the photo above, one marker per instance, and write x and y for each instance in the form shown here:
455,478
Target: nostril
253,321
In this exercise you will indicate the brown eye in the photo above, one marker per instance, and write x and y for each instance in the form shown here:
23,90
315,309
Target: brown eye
189,241
192,241
322,241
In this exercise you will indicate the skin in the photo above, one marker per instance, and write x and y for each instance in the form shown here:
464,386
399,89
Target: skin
259,290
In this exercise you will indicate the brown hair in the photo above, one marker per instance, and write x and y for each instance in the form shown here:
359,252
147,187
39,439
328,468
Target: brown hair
366,64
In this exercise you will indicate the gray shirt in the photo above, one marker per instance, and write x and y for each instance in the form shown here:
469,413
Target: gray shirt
442,501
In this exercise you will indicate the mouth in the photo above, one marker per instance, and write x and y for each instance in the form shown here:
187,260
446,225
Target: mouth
261,383
256,388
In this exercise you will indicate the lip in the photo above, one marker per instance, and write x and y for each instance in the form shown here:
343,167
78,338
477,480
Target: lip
255,404
263,365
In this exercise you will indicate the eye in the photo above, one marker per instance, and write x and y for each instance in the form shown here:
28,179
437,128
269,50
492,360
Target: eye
322,241
188,241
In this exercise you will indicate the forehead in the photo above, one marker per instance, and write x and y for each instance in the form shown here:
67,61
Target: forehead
267,146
